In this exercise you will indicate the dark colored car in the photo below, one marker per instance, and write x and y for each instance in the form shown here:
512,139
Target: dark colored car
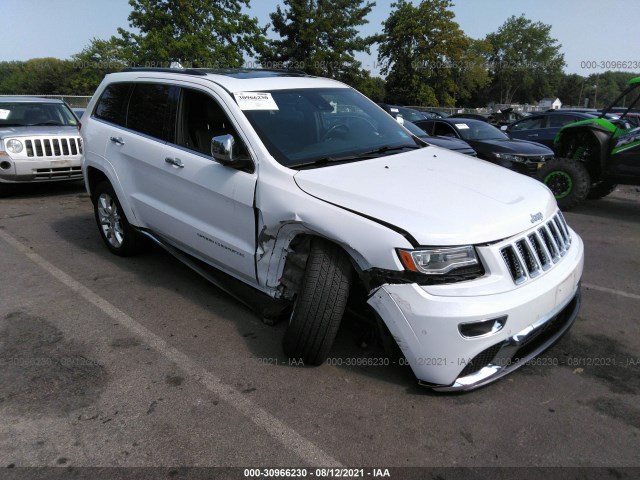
474,116
543,127
454,144
491,144
505,117
430,113
406,113
438,114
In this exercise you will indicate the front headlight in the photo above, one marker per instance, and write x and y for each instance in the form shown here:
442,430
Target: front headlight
14,146
438,261
509,157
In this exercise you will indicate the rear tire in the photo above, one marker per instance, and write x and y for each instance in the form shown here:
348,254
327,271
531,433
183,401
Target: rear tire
320,303
601,190
567,179
115,230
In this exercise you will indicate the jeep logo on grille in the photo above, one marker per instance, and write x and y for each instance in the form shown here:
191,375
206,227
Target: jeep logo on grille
536,217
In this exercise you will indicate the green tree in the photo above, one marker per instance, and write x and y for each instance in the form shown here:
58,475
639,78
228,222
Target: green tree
38,76
471,75
7,70
426,56
571,90
199,33
96,60
372,87
319,37
525,62
603,88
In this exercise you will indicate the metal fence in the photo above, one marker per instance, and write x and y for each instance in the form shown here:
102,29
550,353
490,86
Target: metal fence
76,101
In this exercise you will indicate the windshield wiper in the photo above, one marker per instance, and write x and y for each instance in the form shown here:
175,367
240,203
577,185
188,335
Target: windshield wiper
356,157
387,148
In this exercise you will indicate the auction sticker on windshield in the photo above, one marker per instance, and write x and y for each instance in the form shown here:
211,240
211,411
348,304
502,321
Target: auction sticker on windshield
462,125
4,114
255,101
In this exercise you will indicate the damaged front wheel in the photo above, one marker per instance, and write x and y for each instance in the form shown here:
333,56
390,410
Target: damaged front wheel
320,303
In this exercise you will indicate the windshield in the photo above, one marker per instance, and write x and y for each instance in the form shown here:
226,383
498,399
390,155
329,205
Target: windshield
28,114
314,126
479,130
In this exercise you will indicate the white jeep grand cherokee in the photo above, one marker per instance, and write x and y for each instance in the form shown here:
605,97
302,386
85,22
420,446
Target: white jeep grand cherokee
293,191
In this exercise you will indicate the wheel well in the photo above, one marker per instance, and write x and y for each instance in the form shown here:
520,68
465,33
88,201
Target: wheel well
584,145
296,261
94,177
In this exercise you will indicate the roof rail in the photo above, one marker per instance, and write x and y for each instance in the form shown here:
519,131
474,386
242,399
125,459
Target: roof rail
185,71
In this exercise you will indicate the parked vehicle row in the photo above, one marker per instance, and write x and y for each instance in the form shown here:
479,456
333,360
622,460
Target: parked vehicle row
593,150
491,144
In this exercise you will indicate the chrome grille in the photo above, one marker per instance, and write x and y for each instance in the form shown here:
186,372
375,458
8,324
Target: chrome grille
57,173
529,256
54,147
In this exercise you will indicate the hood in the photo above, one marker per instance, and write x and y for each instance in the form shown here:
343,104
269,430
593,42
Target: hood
515,147
45,130
439,197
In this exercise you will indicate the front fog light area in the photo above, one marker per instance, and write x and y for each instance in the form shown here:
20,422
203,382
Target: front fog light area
481,328
438,261
14,146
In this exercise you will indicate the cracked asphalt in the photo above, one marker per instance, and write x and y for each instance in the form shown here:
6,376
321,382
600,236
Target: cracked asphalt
139,362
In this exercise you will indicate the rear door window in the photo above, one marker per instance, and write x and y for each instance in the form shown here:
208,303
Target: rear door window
149,110
557,121
444,130
529,124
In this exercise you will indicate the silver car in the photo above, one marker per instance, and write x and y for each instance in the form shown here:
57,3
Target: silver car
39,142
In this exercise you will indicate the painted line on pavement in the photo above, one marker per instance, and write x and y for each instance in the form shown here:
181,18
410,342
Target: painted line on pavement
292,440
611,290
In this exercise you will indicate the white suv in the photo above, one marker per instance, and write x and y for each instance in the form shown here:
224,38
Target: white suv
305,190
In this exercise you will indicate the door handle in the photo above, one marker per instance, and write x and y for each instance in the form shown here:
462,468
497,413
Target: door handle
533,135
176,162
117,140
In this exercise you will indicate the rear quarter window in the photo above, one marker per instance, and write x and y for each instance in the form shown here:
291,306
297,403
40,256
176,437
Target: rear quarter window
112,106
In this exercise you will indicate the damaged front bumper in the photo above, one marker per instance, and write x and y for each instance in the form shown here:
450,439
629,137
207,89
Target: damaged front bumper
526,321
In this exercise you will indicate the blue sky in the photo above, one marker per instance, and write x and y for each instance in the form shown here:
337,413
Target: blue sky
588,30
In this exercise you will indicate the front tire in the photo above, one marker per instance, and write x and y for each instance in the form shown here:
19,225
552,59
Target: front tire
320,303
119,237
567,179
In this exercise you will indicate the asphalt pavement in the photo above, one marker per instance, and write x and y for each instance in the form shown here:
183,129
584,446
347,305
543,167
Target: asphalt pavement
139,362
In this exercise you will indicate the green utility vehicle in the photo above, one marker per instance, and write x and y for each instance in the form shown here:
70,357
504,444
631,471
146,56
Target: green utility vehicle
594,155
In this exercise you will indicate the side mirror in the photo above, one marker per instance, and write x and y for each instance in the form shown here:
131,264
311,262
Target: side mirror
225,150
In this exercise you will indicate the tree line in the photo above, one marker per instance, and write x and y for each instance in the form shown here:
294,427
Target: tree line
424,55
